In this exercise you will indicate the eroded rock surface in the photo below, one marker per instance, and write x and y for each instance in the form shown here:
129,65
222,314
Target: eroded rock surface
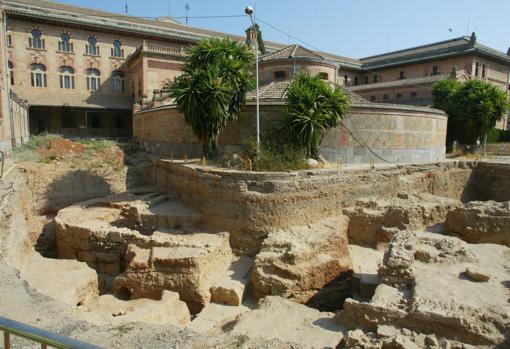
188,264
376,220
298,262
141,244
481,222
276,317
425,289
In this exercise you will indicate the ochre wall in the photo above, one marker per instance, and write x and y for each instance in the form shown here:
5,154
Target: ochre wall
396,133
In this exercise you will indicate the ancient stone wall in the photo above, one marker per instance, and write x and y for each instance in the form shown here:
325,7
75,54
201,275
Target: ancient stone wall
249,204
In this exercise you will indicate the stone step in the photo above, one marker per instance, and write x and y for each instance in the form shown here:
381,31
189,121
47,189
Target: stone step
213,318
230,288
365,284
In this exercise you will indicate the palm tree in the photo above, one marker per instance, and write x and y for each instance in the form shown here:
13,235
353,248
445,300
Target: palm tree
210,92
313,107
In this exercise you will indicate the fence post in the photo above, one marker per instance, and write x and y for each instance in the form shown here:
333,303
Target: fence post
7,340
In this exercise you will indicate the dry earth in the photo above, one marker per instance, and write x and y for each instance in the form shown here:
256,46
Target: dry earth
87,252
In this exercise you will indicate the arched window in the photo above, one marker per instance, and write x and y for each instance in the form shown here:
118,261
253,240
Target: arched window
117,50
375,78
91,48
477,68
435,70
11,72
35,40
346,80
484,70
65,44
118,81
401,75
66,77
366,80
38,75
355,81
93,79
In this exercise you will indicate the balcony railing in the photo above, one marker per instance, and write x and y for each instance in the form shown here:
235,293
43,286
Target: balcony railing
44,338
167,50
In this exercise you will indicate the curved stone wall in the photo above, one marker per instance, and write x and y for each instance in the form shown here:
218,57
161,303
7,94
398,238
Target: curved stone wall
371,132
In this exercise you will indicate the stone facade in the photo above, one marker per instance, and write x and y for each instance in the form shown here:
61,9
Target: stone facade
392,133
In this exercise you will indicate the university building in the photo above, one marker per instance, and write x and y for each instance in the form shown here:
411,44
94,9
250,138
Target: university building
83,73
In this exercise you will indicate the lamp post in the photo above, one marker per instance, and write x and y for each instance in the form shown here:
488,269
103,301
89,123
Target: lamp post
249,11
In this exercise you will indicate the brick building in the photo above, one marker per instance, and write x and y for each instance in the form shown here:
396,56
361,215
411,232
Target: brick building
81,72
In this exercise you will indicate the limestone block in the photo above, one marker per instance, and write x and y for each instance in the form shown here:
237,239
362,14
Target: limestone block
481,222
298,262
230,289
188,264
276,317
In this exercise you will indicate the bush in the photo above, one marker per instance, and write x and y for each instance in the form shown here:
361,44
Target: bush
273,156
496,135
28,151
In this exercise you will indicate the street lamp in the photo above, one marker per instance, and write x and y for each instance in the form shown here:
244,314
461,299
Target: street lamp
249,11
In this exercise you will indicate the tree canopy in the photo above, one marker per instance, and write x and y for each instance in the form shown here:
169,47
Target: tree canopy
473,108
210,92
313,107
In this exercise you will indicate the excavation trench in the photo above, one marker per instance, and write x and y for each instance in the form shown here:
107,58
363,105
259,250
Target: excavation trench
197,238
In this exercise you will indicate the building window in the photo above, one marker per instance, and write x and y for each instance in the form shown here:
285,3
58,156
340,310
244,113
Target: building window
95,122
280,75
35,40
93,80
38,75
375,79
119,122
324,76
11,72
9,40
69,120
484,71
399,95
91,48
414,94
117,50
435,70
401,75
385,97
477,68
366,80
117,81
65,44
346,80
66,78
373,98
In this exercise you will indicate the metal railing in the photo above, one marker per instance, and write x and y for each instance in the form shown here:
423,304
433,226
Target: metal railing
45,338
2,160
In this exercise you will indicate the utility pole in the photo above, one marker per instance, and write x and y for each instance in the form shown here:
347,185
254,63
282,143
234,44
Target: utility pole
187,11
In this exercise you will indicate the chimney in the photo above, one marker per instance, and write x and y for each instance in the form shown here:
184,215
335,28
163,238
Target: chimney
508,52
472,40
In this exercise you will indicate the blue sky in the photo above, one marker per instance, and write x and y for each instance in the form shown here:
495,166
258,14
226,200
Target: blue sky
354,28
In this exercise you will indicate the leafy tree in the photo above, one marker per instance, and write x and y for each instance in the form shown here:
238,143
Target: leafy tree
473,107
210,92
313,107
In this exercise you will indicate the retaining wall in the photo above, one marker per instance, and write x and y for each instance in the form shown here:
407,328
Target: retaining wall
378,132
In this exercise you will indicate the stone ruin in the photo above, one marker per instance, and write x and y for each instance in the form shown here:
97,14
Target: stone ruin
411,269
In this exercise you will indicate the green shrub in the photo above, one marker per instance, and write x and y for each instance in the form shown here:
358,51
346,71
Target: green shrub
28,151
273,156
496,135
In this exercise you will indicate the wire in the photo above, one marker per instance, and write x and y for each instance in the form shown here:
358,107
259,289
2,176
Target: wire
363,143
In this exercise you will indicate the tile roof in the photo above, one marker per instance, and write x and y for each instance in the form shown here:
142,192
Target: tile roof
276,90
292,51
442,49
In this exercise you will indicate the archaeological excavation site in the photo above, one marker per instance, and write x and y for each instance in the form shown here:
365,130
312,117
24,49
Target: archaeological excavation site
155,253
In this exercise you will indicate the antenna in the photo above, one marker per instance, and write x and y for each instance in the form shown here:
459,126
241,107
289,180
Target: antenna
126,6
187,10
